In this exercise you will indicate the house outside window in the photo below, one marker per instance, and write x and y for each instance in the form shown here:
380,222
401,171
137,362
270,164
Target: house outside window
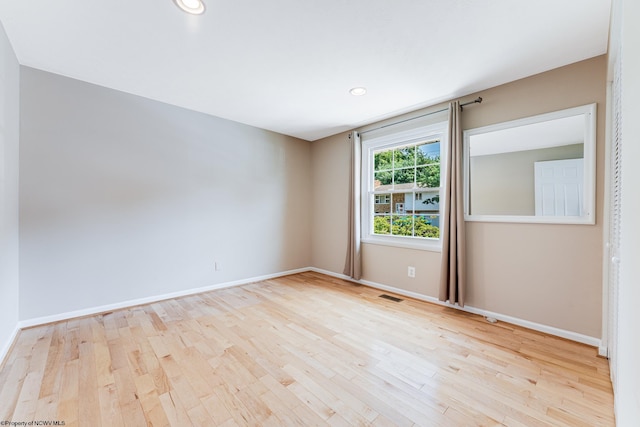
401,178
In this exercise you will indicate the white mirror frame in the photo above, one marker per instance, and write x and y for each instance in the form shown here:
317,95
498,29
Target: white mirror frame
589,185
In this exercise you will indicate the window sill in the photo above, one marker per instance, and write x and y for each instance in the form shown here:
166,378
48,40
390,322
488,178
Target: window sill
431,246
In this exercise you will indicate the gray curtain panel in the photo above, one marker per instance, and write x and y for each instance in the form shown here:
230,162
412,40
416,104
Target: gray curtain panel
353,262
452,269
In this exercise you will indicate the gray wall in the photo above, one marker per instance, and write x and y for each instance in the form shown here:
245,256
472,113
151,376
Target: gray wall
9,135
123,198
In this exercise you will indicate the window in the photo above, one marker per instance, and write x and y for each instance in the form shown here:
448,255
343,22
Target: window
401,180
383,199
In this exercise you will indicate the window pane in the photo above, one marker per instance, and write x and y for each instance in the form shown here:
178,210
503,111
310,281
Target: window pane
403,203
403,157
382,160
428,153
382,203
428,176
398,203
402,225
381,179
404,176
417,203
427,202
381,224
427,226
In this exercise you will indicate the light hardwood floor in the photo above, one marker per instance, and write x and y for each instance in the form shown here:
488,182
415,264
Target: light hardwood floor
304,350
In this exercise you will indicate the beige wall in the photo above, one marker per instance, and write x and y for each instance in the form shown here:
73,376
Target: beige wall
548,274
504,184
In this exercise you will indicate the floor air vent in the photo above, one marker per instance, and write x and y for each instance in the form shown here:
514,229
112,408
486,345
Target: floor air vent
389,297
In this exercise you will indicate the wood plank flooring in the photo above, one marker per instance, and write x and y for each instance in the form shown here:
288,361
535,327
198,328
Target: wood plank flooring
305,350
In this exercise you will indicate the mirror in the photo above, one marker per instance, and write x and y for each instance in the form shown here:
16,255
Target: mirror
536,169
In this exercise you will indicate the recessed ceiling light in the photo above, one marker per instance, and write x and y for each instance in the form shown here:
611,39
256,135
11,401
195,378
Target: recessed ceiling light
195,7
358,91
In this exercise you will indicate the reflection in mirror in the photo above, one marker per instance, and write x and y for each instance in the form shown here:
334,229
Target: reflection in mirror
538,169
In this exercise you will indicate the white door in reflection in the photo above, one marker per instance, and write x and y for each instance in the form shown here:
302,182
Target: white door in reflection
558,187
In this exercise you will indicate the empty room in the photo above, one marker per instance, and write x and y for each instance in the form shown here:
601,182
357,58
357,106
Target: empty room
364,213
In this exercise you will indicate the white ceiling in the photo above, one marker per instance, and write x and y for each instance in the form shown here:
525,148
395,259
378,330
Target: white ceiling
287,65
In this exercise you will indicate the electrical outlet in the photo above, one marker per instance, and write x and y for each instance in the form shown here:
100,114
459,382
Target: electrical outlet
411,271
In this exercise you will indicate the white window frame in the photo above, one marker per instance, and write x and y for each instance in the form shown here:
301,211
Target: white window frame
389,141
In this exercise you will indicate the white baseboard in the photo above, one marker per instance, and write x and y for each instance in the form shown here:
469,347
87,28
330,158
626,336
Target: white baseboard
148,300
603,351
7,346
573,336
332,274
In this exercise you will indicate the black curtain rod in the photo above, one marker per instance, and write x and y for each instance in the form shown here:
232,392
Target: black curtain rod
478,100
